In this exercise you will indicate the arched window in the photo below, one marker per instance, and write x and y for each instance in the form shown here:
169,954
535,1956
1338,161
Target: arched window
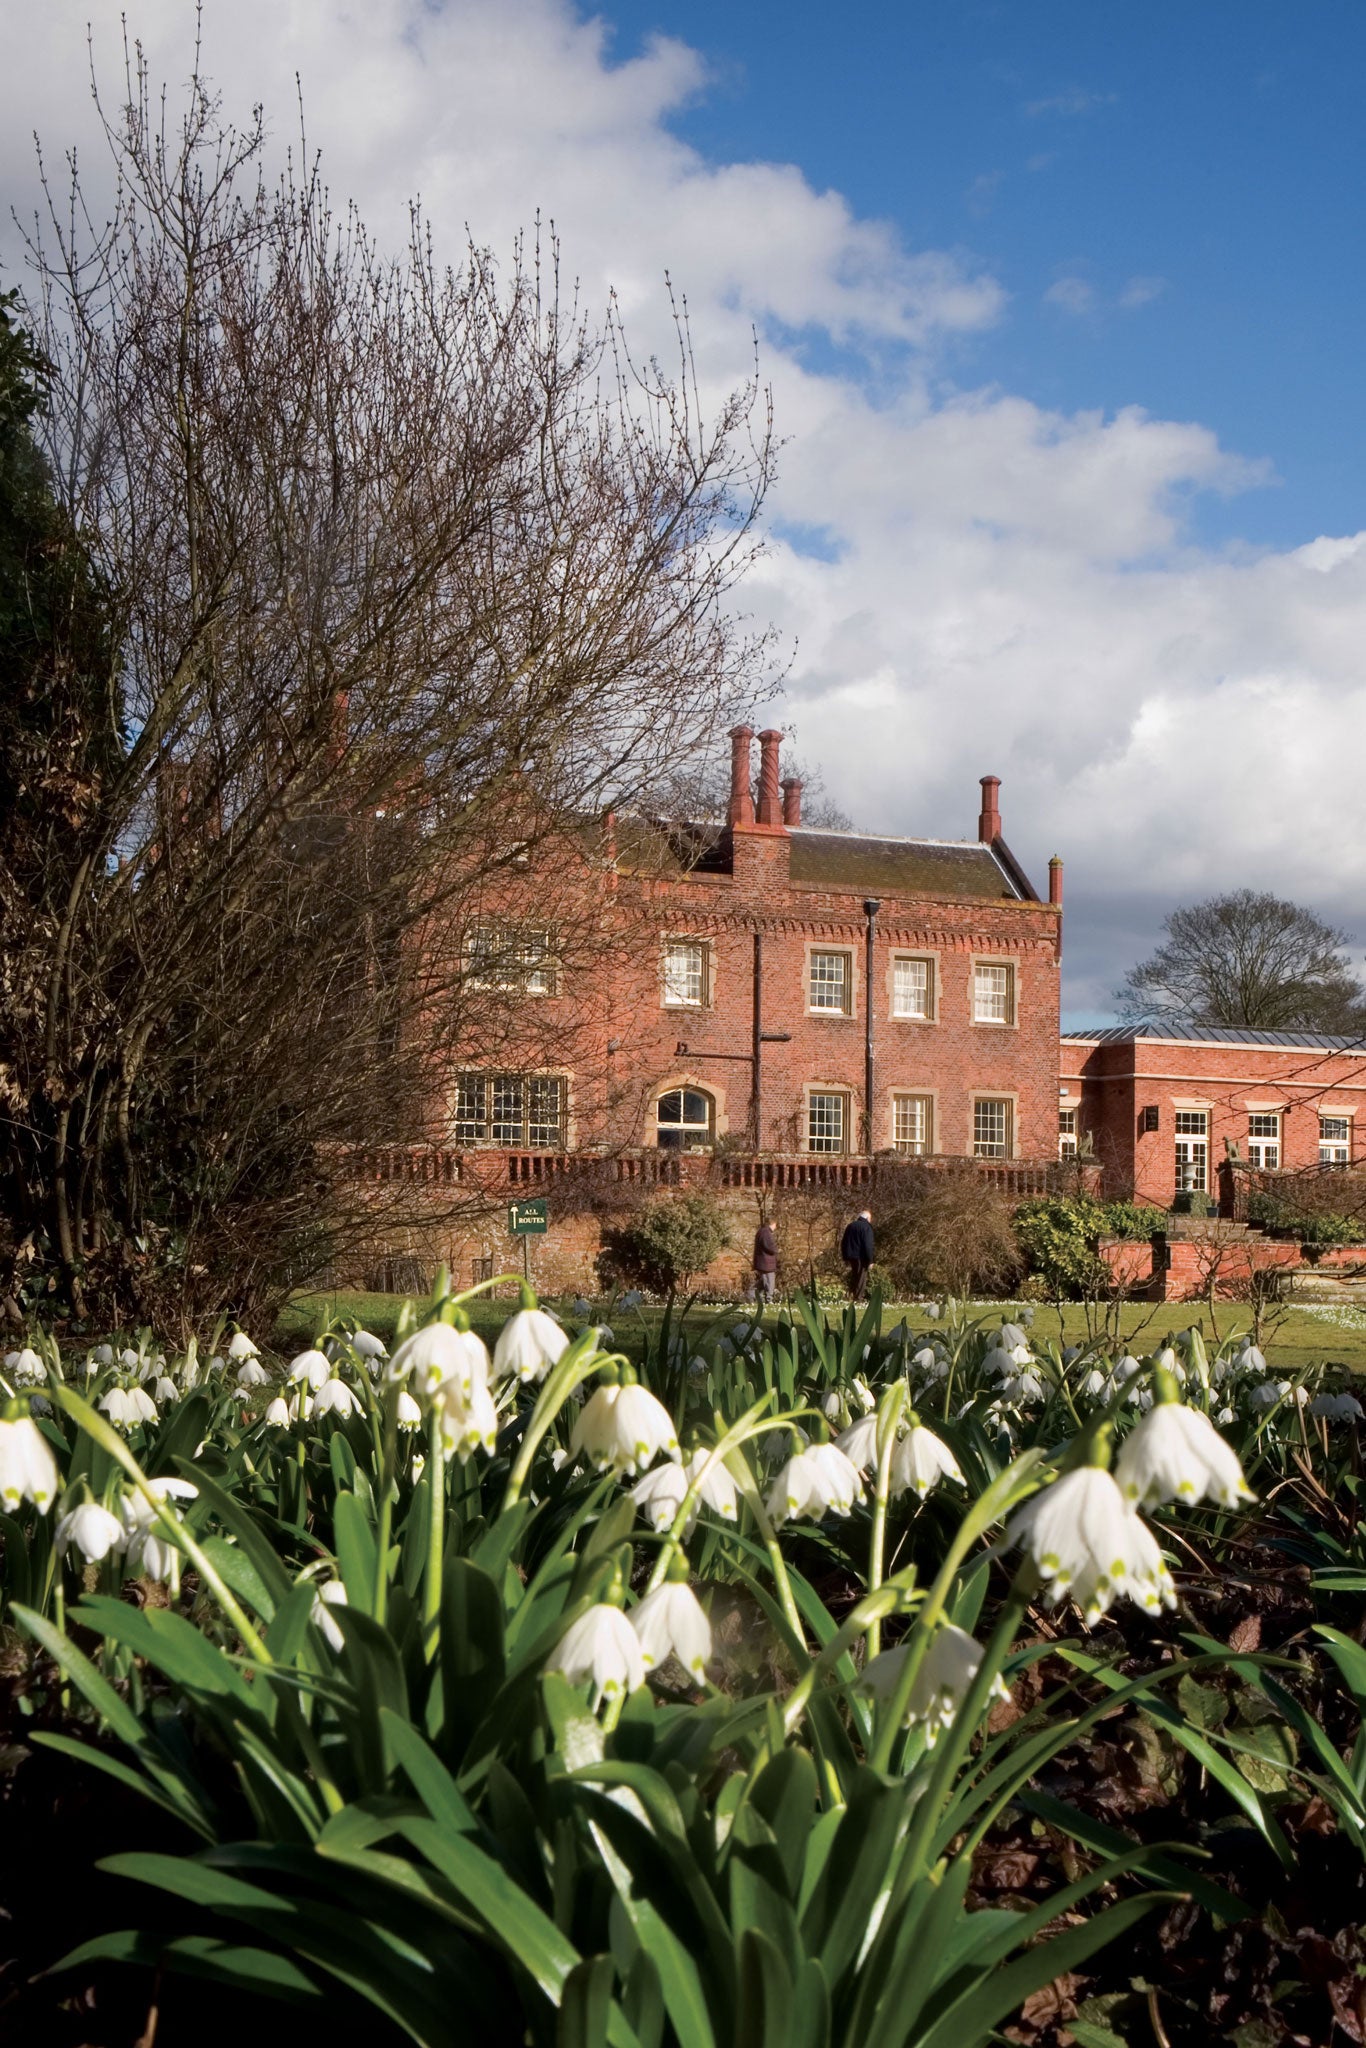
684,1118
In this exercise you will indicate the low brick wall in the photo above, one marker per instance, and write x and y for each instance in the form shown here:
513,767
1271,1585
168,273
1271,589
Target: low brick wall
1180,1268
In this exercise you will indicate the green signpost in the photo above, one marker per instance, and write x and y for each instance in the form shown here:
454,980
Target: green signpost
527,1220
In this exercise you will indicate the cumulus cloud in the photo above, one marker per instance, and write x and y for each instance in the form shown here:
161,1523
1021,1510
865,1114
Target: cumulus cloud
972,583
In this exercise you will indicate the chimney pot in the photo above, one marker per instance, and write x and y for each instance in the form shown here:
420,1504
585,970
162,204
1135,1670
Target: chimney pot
792,800
1055,880
741,808
770,803
989,822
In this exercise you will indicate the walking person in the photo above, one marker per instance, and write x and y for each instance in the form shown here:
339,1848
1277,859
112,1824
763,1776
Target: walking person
765,1260
857,1251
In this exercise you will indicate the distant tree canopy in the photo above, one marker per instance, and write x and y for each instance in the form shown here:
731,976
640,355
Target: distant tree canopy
1249,958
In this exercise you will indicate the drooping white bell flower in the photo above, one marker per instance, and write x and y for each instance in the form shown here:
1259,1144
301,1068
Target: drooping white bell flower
241,1346
1011,1334
1086,1541
920,1460
621,1428
331,1593
1176,1453
670,1622
438,1354
1094,1383
126,1407
1252,1360
817,1481
529,1343
659,1496
130,1360
1025,1386
998,1361
467,1418
409,1415
1269,1395
925,1359
718,1488
832,1407
1225,1417
950,1663
602,1649
251,1373
367,1345
25,1367
277,1414
104,1354
859,1443
165,1390
150,1552
310,1368
334,1397
28,1470
92,1530
1336,1407
300,1405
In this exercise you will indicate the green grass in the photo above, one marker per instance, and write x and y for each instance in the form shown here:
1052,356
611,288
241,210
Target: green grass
1298,1339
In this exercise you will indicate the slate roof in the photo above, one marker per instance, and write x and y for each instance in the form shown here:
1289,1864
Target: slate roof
900,867
1215,1034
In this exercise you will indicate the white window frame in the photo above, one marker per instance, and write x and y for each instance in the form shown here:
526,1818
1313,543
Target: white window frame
692,1137
839,1132
1264,1144
523,961
1337,1149
845,1007
675,990
910,1108
901,1011
1000,998
1067,1132
1190,1135
483,1111
984,1147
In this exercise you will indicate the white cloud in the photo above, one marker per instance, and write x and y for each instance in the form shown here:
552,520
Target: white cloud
1141,291
1078,101
1072,294
1001,588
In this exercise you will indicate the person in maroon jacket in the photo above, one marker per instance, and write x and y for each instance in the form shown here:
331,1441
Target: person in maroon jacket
765,1260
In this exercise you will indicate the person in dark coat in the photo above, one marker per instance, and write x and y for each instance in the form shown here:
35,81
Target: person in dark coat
856,1249
765,1261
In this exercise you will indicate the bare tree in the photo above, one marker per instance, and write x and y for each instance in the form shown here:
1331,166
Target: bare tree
409,573
1249,959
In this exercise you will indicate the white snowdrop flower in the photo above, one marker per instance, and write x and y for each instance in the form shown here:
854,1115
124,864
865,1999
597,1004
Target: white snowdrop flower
409,1415
1301,1397
366,1345
1176,1453
718,1488
150,1553
621,1428
129,1360
832,1407
300,1405
165,1390
334,1397
241,1345
217,1363
659,1496
529,1343
925,1358
1025,1386
1225,1417
467,1418
438,1354
1011,1335
1269,1394
920,1460
126,1407
866,1397
817,1481
998,1361
1086,1541
951,1662
28,1470
1252,1359
104,1354
1125,1368
277,1414
859,1443
631,1299
24,1366
92,1530
670,1622
581,1310
775,1446
331,1593
1094,1383
602,1649
1336,1407
251,1373
419,1465
189,1376
310,1368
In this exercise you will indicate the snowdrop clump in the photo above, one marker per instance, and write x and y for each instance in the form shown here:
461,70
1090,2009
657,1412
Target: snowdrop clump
817,1481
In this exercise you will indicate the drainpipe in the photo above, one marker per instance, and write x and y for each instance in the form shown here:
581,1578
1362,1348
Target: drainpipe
755,1079
871,908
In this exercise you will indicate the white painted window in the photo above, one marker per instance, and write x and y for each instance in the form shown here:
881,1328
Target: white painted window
825,1121
991,1129
1264,1139
1067,1134
993,992
684,1120
1335,1141
913,1124
685,974
912,987
513,959
513,1110
1192,1151
829,983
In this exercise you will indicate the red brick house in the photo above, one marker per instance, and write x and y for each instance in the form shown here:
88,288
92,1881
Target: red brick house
1169,1106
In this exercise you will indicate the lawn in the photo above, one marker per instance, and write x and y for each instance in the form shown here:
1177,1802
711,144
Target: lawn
1292,1339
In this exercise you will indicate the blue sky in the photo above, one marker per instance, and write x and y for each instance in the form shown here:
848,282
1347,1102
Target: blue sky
1061,309
1198,170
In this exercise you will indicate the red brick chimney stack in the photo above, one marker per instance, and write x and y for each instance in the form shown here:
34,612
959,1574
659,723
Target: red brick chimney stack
989,823
792,800
741,811
1055,880
770,802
